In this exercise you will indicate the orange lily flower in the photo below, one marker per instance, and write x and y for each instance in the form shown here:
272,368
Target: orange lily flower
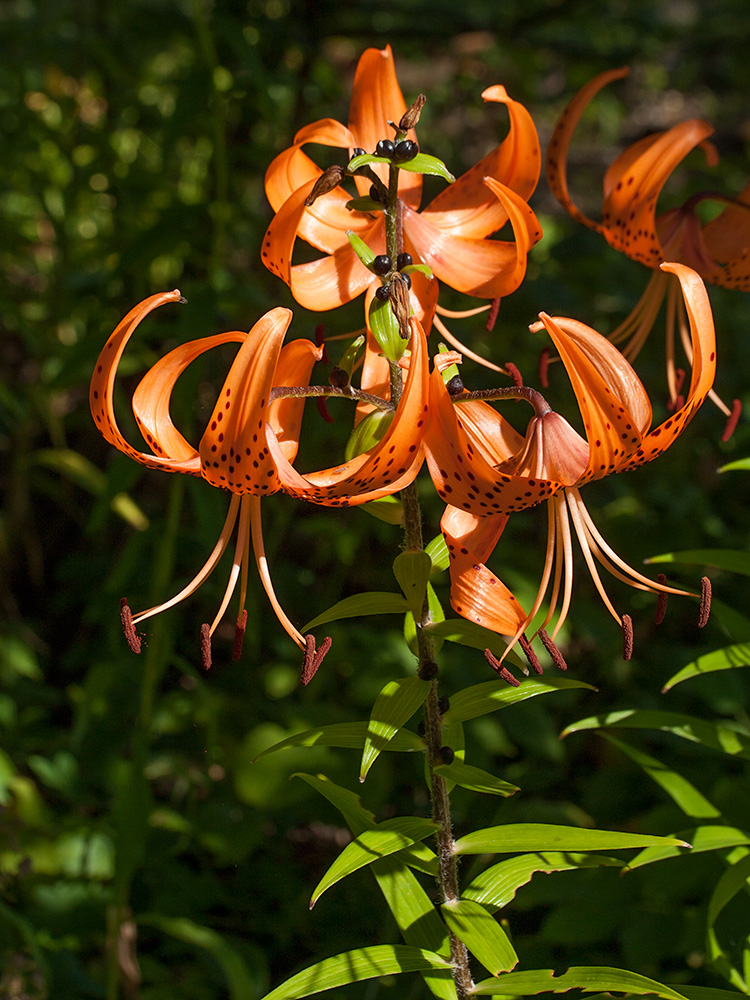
718,251
486,470
450,234
251,442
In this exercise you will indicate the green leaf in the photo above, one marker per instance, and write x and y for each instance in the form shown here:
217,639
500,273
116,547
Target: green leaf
736,626
373,602
688,798
497,886
721,659
481,933
490,696
701,839
368,432
740,464
729,738
388,837
363,160
590,979
421,268
423,163
707,993
437,550
393,708
728,559
385,329
436,614
363,204
517,837
412,571
387,509
476,636
345,734
734,879
476,779
365,254
350,356
354,966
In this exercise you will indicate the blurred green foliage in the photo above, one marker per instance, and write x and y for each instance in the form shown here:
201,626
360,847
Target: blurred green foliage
135,139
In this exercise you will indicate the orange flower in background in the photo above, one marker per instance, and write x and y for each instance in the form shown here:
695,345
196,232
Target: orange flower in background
719,250
252,440
486,470
450,234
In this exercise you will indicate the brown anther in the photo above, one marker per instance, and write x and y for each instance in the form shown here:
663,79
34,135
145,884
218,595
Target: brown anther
627,637
530,655
492,315
322,405
411,117
313,657
126,618
239,635
732,420
544,368
500,670
661,603
338,378
554,651
705,608
515,375
328,180
400,305
206,646
320,341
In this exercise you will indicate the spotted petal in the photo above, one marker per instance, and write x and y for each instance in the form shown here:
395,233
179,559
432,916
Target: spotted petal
285,415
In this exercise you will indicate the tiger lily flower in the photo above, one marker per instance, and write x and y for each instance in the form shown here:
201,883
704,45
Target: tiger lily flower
719,250
450,234
484,469
250,443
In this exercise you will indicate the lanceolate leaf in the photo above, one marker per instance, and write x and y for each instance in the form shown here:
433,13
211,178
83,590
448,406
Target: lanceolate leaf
493,695
475,636
393,707
345,734
701,839
496,886
722,659
707,993
741,464
514,838
729,738
423,163
728,559
373,603
354,966
437,615
731,882
437,550
481,933
591,979
412,570
387,838
476,779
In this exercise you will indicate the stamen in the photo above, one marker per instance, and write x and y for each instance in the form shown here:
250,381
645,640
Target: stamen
530,655
265,576
455,342
661,604
544,368
312,658
322,405
500,670
734,417
516,376
126,618
320,341
627,637
239,635
206,646
492,318
705,608
554,651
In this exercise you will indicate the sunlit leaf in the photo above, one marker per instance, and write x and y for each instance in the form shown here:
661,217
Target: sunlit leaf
436,615
412,571
731,560
741,464
490,696
481,933
516,837
588,978
729,738
475,779
372,603
721,659
423,163
701,839
394,706
437,550
345,734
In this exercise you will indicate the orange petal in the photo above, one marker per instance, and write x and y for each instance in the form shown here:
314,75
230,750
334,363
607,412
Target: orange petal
727,240
376,99
233,449
293,168
462,475
388,467
476,593
703,339
486,268
468,208
152,397
102,388
285,415
557,151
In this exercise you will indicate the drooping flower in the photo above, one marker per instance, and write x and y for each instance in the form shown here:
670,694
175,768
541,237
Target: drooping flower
719,250
252,440
449,235
484,469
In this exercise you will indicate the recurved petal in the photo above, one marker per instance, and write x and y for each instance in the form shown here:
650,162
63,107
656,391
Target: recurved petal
614,405
152,397
476,593
468,207
462,475
486,268
703,339
727,240
292,168
101,391
285,415
234,452
388,467
559,144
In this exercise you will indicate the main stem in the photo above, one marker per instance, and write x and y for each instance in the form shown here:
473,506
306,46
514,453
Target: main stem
441,812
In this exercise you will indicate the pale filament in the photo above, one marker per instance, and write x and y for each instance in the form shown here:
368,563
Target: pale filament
455,342
688,348
239,553
265,576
